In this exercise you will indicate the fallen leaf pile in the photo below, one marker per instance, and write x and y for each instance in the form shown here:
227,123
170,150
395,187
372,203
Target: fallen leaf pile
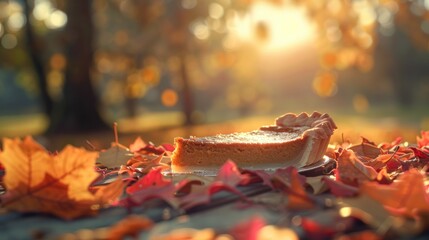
383,186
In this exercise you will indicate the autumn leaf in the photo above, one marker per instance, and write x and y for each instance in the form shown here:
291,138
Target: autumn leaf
115,156
388,145
37,181
107,194
290,182
340,189
249,229
130,226
366,150
152,185
406,196
381,160
201,194
372,212
421,154
141,147
315,230
259,176
230,174
227,179
423,140
350,170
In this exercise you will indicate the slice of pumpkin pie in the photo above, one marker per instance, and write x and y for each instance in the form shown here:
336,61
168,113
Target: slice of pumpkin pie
297,140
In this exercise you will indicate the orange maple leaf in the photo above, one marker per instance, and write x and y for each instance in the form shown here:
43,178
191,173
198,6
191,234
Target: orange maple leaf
423,141
352,171
58,184
406,196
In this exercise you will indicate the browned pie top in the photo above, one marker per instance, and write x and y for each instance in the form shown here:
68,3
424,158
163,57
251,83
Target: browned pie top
255,137
287,128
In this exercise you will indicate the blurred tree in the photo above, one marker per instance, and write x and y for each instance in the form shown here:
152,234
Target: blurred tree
77,109
34,50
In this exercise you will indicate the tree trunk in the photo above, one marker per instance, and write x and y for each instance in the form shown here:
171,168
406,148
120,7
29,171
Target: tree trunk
78,110
188,102
34,51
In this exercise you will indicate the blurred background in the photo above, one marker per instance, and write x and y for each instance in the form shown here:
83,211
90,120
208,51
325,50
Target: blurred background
165,68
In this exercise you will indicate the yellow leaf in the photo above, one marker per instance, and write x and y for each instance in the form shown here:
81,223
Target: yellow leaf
58,184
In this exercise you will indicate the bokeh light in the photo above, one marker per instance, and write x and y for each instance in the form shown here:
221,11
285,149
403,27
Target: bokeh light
57,19
169,97
58,61
360,103
9,41
325,84
16,21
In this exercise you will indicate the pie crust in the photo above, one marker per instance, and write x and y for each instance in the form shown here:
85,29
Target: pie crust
297,140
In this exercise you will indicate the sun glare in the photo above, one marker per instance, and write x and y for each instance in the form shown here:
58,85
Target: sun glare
273,28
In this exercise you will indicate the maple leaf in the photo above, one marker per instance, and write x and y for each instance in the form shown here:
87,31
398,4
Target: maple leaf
380,161
366,150
130,226
386,146
404,196
258,176
107,194
115,156
152,185
423,141
350,170
37,181
421,154
227,179
201,195
141,147
230,174
290,182
340,189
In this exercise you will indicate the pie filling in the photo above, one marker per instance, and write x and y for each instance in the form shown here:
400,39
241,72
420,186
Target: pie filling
301,143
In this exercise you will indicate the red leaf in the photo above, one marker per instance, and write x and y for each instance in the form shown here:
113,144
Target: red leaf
201,195
152,185
282,178
387,146
315,230
248,230
340,189
423,140
292,183
227,179
141,147
351,171
230,175
258,176
422,155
